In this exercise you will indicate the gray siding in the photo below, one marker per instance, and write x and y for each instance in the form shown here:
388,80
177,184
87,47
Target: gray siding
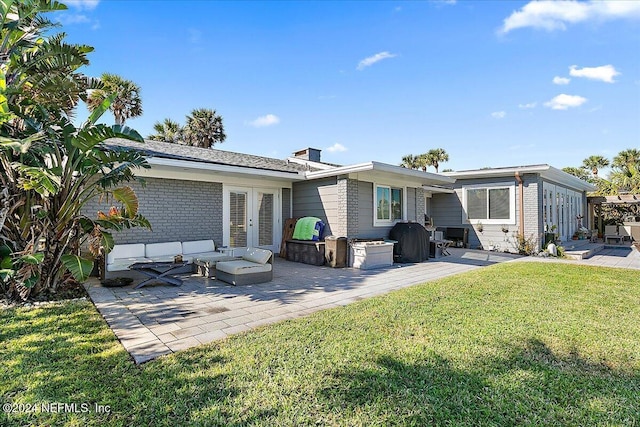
319,199
178,211
446,210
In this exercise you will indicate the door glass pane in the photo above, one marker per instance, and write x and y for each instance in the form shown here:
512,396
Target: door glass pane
477,204
265,219
499,203
238,219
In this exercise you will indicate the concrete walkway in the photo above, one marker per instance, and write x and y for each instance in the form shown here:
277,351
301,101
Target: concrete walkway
161,319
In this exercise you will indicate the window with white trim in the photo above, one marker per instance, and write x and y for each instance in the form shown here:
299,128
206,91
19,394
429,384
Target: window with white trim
489,204
388,205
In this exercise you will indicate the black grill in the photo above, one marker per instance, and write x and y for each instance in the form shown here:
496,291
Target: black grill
413,242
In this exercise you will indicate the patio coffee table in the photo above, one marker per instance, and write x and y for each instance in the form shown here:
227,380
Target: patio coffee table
159,271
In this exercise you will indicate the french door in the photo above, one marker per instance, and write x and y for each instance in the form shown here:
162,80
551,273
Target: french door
561,208
252,218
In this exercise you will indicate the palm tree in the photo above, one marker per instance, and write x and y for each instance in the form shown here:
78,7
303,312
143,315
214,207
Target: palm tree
626,173
626,159
435,156
595,163
126,102
204,128
410,162
167,131
577,172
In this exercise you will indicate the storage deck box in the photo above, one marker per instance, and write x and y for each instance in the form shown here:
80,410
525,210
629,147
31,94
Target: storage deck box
368,255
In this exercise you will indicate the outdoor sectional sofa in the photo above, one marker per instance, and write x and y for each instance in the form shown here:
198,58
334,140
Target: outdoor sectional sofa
122,256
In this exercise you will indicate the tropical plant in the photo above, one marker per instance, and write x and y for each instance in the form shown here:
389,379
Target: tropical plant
126,103
435,156
39,74
595,163
49,168
167,131
48,177
204,128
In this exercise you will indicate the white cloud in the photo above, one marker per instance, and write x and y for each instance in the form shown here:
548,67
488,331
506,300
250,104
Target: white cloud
528,106
195,35
367,62
564,102
557,80
83,4
74,18
498,114
337,148
555,15
262,121
604,73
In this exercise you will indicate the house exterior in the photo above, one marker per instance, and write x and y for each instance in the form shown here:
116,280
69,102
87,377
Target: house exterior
498,204
241,200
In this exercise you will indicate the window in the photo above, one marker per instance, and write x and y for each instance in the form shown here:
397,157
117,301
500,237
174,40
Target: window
389,207
492,205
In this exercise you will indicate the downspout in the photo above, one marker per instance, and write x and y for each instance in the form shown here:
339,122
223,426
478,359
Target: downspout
520,203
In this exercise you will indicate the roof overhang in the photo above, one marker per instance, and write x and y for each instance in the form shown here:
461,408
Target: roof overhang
545,171
188,166
376,171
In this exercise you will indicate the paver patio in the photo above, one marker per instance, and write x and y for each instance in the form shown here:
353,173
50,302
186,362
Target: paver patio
160,319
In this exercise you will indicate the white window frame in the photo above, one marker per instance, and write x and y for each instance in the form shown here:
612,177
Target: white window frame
388,222
512,203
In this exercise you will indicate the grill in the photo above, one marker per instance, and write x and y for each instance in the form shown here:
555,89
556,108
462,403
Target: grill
413,242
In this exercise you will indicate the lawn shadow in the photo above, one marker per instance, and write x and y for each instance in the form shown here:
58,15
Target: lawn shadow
532,385
66,354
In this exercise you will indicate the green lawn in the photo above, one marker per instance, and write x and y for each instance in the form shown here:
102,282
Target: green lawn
513,344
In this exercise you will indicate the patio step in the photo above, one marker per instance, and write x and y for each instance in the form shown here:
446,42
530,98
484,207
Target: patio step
584,251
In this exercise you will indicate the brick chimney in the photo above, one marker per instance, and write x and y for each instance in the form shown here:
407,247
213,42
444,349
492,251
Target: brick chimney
311,154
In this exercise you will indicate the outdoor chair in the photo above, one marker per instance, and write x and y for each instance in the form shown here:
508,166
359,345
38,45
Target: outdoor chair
255,266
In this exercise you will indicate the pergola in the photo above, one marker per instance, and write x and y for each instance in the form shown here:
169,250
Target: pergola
596,202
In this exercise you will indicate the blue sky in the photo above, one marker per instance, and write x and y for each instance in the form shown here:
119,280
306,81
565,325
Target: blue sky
494,83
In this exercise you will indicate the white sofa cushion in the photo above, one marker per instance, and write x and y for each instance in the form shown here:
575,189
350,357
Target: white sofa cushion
198,246
260,256
122,264
163,251
242,267
135,250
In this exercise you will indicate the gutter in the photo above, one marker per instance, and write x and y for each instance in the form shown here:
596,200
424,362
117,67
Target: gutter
521,203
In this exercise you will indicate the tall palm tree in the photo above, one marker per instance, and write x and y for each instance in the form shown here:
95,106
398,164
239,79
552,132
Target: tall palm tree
204,128
436,156
595,163
410,162
626,159
167,131
127,102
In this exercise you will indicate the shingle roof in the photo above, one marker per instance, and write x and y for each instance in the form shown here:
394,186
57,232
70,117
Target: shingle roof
207,155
